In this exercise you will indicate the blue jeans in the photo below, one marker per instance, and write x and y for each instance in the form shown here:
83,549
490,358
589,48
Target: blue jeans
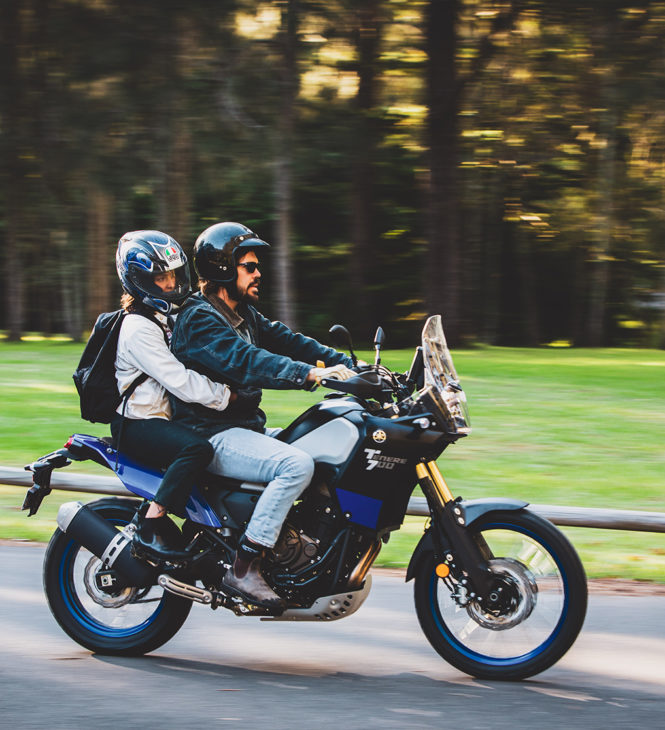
257,457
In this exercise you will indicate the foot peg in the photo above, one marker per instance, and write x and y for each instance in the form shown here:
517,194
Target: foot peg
185,590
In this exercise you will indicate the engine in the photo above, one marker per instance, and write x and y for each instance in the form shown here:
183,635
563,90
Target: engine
308,532
294,549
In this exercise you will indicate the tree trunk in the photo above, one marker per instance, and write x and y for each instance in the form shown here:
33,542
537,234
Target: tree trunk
578,304
442,271
660,342
68,278
490,292
13,176
362,261
600,252
14,281
178,184
285,294
100,248
528,299
176,168
602,230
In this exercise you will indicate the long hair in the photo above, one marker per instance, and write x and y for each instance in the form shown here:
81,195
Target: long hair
208,288
127,301
131,305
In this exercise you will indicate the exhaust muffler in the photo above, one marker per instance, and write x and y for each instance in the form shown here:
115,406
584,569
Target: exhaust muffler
109,544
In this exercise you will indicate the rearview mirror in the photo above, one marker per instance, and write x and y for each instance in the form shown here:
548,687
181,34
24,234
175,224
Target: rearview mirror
341,337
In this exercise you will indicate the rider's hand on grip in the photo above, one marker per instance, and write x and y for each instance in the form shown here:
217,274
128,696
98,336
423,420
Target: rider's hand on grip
336,372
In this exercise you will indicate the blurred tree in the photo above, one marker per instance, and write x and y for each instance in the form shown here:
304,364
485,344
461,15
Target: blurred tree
288,79
175,204
446,84
98,268
12,34
366,27
442,271
515,148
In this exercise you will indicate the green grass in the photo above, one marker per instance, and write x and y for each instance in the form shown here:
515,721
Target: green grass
551,426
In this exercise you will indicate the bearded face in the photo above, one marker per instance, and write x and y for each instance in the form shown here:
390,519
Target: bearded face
249,279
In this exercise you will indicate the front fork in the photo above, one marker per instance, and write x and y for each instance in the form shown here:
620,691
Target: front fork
463,556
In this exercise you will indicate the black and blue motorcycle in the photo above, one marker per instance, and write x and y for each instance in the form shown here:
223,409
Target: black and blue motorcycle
500,593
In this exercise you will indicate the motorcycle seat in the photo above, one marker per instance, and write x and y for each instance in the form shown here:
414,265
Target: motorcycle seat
217,482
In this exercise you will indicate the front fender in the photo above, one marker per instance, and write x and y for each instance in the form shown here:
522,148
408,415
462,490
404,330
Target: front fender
472,510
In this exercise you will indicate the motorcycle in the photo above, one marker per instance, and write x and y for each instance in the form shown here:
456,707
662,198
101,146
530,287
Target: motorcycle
500,593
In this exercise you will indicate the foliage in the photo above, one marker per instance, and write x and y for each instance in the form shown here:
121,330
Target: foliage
118,115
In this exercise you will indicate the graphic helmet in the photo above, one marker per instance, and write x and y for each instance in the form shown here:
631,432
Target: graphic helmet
143,254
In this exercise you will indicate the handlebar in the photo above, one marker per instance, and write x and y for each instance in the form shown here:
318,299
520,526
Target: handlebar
366,384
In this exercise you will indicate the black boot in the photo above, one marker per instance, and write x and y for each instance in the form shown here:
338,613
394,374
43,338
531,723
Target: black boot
158,537
244,578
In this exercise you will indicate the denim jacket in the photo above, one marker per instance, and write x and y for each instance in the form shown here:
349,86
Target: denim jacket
258,354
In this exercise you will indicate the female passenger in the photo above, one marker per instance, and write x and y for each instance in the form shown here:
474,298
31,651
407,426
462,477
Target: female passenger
154,273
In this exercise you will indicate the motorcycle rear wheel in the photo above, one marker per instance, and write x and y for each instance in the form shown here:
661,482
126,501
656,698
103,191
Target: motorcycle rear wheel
547,590
131,623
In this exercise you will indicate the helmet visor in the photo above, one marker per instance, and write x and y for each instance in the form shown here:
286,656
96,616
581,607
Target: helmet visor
169,285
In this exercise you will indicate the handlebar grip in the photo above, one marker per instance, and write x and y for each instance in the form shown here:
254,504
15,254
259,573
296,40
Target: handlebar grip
334,384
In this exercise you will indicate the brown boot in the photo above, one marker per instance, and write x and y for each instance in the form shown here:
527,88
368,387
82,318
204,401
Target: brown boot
244,578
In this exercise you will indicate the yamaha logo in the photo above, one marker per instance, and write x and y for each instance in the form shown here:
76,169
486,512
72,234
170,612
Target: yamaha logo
379,436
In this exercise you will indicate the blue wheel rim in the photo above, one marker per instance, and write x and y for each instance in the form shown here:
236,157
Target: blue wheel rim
503,661
80,614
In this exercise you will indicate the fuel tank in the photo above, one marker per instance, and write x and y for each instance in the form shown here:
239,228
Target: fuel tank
373,458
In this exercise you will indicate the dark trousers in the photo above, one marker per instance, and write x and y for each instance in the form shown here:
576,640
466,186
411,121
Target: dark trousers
161,444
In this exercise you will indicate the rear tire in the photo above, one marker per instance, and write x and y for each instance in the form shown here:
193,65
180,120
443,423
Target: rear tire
547,598
133,622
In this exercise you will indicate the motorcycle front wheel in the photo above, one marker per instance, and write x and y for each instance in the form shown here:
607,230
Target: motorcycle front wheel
132,621
543,608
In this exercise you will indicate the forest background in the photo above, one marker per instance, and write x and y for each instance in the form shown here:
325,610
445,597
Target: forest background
502,163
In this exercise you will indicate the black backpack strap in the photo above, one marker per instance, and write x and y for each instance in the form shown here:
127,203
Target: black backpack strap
127,394
125,397
152,318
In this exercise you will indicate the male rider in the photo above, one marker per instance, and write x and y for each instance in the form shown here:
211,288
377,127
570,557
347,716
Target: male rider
220,333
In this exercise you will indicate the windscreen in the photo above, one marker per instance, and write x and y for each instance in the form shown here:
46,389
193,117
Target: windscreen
442,391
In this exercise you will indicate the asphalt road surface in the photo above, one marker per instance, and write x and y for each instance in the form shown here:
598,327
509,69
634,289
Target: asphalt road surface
374,669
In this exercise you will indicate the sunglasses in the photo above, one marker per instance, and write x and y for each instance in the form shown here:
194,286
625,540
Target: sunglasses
251,266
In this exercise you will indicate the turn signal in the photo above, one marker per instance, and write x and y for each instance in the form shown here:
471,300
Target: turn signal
442,570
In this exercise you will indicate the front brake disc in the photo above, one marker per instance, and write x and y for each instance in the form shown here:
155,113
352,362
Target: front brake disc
518,601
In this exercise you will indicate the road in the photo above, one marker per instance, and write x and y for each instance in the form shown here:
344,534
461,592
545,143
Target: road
372,670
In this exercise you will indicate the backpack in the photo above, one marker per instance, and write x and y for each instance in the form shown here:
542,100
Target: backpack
95,375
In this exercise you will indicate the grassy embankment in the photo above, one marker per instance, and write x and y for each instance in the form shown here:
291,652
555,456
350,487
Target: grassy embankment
552,426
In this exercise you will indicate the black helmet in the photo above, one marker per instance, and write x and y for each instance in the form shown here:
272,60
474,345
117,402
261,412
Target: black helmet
141,255
218,248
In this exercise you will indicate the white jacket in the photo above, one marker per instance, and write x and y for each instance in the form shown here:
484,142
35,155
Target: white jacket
142,349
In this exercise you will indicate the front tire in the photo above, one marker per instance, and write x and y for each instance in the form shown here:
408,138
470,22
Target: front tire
130,623
547,590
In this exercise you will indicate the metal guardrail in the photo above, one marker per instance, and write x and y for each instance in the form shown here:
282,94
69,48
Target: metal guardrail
607,519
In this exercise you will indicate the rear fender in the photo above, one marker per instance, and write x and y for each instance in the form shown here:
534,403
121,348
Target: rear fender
41,477
139,479
79,447
472,511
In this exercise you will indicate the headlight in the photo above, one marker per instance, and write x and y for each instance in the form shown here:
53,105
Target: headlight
448,406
